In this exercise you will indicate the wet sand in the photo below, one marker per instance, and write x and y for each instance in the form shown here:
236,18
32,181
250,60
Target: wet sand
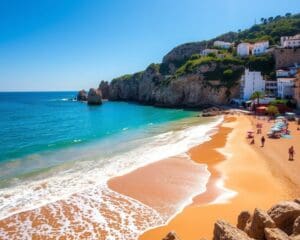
252,177
164,185
246,171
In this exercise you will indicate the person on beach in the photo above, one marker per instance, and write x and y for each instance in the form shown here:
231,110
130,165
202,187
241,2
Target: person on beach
291,153
262,141
252,141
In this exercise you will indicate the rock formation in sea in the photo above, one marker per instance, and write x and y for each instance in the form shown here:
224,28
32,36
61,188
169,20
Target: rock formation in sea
94,97
104,88
82,95
280,222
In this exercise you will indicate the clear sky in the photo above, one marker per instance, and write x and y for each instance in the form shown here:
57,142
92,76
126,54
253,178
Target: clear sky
73,44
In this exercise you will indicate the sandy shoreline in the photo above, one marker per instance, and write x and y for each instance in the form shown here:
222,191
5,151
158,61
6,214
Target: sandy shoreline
247,174
214,180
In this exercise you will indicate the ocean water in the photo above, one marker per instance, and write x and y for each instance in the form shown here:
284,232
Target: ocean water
55,152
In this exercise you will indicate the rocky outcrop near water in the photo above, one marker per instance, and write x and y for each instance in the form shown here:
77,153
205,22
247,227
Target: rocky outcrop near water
280,222
104,88
214,111
94,97
82,95
187,90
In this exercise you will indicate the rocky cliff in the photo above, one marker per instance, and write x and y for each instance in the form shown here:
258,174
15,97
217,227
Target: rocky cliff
173,59
182,80
193,89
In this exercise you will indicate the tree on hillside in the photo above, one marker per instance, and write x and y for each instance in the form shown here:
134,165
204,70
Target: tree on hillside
257,95
277,17
288,15
270,19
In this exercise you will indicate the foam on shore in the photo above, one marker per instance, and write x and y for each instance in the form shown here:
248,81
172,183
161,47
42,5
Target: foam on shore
78,184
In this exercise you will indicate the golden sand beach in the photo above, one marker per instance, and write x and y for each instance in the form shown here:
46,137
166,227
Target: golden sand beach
252,177
242,177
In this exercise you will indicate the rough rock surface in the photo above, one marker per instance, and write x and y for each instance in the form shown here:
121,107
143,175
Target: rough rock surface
225,231
284,214
82,95
243,219
150,87
94,97
213,111
296,226
180,53
171,236
259,221
275,234
104,88
281,222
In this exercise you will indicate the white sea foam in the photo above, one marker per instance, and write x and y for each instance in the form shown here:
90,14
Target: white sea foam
98,212
91,170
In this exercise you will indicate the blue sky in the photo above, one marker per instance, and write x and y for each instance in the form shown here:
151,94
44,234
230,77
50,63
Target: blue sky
73,44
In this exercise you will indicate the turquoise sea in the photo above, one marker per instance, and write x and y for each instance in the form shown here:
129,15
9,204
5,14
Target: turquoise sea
53,146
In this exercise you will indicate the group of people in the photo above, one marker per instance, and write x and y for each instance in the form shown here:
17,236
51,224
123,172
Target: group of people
291,150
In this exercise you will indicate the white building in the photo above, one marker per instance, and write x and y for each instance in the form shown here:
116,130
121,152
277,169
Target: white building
222,44
207,51
271,88
243,49
287,72
260,47
282,73
285,87
250,83
290,41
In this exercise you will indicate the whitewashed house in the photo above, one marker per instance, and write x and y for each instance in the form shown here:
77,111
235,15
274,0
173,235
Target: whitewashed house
207,51
222,44
290,41
285,87
243,49
282,73
250,83
260,47
271,88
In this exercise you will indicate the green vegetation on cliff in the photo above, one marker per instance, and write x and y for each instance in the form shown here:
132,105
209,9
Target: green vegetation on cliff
127,77
271,29
228,69
225,66
263,63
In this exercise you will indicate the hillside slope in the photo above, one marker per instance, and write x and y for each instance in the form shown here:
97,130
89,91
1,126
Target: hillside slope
185,79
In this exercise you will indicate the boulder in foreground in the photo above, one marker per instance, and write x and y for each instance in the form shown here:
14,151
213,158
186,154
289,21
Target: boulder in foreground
284,214
259,221
275,234
225,231
171,236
